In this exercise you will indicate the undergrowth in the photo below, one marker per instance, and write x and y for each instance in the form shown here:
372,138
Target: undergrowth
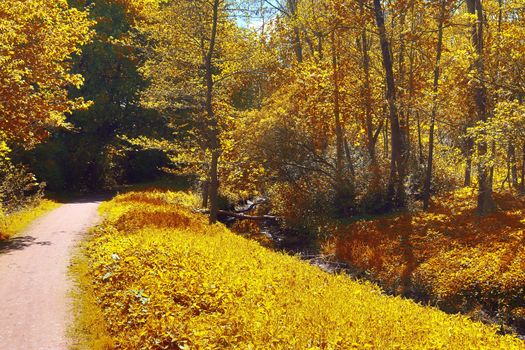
11,224
88,331
448,256
154,275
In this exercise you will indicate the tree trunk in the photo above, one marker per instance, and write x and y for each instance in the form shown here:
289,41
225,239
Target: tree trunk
298,47
486,203
409,108
344,192
385,134
291,12
396,189
428,177
337,114
419,142
469,145
372,136
513,168
468,172
349,160
212,120
401,86
368,97
522,182
205,193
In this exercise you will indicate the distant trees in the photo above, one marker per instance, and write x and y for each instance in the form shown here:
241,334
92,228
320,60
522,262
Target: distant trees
38,40
90,154
399,151
441,18
479,92
412,89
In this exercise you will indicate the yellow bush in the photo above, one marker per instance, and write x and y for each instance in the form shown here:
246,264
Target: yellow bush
192,286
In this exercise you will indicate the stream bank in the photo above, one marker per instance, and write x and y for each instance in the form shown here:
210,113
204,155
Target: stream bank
271,234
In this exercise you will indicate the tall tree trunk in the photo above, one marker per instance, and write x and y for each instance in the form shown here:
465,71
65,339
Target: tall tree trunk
401,85
467,180
213,188
469,145
298,47
365,47
419,142
385,134
435,88
337,113
205,193
522,182
372,135
513,168
291,12
396,187
409,108
344,194
486,203
349,160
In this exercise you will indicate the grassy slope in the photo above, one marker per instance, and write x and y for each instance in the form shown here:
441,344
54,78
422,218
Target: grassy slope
458,260
155,274
17,222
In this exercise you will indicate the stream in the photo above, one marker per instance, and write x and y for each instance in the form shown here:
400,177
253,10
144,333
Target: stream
291,241
303,246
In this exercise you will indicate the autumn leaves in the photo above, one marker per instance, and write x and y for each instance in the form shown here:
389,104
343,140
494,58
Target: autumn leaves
37,41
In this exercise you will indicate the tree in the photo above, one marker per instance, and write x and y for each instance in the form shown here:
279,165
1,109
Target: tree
485,200
37,42
90,155
198,61
435,87
396,186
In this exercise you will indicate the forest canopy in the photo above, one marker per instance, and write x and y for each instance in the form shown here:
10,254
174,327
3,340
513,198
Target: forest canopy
354,106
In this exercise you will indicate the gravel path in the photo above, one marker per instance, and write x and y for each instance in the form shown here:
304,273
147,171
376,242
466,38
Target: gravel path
34,286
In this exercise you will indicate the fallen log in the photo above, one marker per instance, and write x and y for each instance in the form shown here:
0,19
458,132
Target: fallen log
242,216
239,216
251,207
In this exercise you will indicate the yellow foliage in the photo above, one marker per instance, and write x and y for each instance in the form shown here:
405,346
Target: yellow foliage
37,41
459,260
16,222
172,282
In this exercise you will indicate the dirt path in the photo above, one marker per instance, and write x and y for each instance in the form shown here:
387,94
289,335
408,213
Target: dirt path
34,286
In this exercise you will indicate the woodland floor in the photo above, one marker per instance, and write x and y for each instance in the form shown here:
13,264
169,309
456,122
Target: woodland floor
34,283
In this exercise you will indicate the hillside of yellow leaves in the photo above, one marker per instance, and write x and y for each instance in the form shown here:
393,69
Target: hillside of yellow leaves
449,255
160,278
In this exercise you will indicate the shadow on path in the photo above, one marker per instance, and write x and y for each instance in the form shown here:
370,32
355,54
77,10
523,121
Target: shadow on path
19,243
80,199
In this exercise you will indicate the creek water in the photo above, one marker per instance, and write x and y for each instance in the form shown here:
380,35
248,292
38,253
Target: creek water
292,242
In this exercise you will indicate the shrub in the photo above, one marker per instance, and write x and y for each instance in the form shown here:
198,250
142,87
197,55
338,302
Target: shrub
11,224
203,287
18,188
302,206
